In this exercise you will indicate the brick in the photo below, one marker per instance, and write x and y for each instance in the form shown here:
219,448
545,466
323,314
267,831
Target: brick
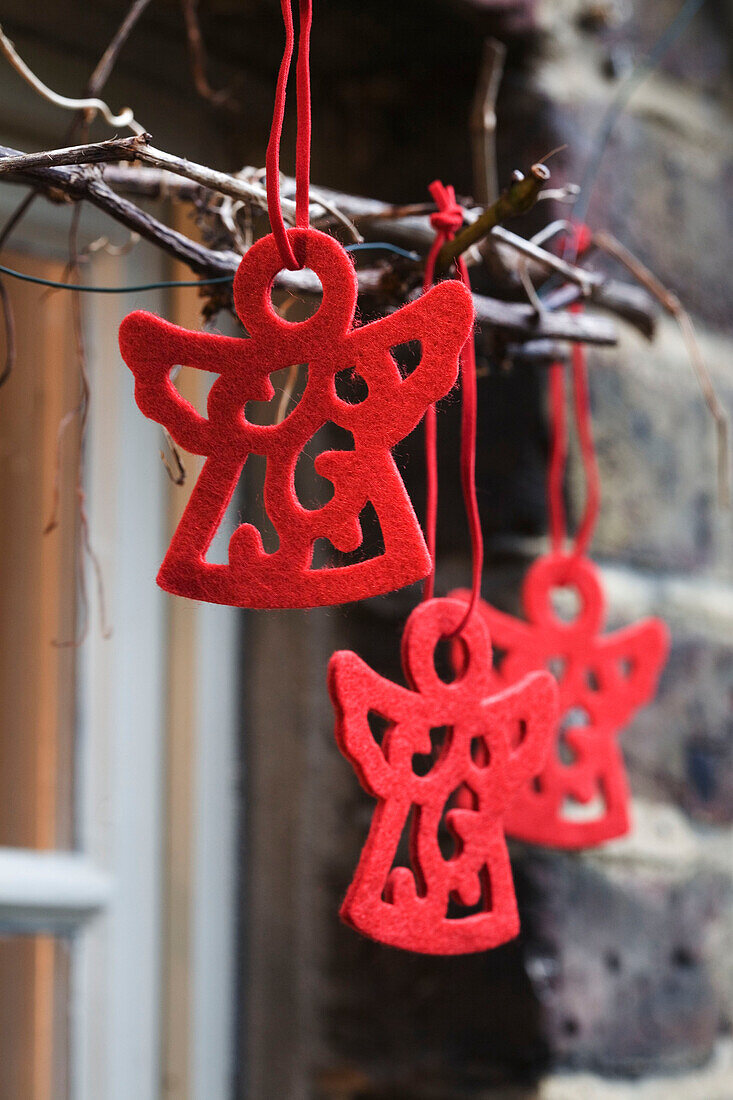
663,843
657,456
713,1082
663,181
679,748
618,964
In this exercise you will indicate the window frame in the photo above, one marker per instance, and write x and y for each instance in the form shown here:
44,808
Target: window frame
114,892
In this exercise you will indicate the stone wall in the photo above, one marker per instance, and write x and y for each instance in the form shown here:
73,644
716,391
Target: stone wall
620,985
647,938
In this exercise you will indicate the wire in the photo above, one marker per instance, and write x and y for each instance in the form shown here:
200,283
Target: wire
109,289
382,245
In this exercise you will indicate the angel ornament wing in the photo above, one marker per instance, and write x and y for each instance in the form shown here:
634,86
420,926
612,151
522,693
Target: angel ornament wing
327,343
581,796
445,902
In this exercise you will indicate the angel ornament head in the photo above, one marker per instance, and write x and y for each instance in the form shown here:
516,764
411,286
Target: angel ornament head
327,343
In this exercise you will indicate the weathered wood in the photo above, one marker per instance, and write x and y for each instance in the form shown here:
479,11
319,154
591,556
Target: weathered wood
631,303
96,153
519,197
61,184
514,319
521,322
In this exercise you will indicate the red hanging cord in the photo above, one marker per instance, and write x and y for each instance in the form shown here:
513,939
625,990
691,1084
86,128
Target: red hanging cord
559,451
558,457
446,221
431,495
584,424
303,139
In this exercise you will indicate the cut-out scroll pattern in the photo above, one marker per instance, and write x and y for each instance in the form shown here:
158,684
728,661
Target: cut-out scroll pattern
415,749
327,343
581,797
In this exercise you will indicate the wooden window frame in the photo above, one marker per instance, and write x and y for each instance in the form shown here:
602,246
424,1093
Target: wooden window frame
148,898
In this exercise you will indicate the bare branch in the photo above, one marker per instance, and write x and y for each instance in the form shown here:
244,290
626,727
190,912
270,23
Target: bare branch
197,57
225,184
519,321
409,226
513,319
94,87
177,471
80,412
543,352
107,61
125,118
74,184
235,186
483,122
163,181
584,279
519,197
150,183
97,153
610,244
631,303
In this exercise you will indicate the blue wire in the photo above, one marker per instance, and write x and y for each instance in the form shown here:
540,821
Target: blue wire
384,245
108,289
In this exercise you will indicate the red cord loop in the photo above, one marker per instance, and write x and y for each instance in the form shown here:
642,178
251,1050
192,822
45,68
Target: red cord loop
446,221
303,139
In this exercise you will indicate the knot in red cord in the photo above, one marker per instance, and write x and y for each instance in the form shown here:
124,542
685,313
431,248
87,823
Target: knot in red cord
448,218
578,240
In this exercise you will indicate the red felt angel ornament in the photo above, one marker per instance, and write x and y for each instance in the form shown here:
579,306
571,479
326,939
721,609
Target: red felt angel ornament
493,744
462,901
581,797
328,343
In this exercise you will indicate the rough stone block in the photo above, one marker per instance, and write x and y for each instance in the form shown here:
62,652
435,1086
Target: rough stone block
657,456
662,179
618,964
664,843
711,1082
679,748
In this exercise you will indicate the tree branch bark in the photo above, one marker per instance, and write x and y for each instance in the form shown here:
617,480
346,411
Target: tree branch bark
97,153
511,319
